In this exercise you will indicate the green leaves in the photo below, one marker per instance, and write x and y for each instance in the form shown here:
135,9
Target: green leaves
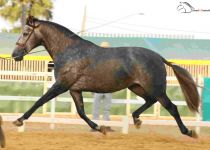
44,11
3,2
12,10
11,13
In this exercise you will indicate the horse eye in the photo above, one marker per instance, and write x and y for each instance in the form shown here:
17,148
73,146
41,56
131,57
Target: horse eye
25,34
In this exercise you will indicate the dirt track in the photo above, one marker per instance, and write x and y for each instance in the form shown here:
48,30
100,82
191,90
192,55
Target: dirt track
78,137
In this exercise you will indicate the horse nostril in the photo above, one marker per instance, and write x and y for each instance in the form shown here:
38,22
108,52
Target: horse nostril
13,54
17,54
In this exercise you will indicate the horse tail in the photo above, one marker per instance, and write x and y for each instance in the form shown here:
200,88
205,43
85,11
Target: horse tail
187,84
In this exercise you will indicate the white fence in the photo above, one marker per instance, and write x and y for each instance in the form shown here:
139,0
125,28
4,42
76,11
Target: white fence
128,101
125,119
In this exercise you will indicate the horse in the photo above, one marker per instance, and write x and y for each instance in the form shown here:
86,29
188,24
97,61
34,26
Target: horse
2,136
81,66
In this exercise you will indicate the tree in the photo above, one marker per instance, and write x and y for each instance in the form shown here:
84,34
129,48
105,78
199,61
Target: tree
17,10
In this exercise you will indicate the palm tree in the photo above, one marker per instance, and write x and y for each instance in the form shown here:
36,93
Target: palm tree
17,10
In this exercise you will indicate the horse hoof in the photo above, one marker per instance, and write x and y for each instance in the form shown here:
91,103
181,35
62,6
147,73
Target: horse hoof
103,129
193,134
137,123
18,123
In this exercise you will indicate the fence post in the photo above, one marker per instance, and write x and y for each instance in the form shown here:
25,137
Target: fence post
128,97
73,108
199,82
125,124
157,110
52,112
44,110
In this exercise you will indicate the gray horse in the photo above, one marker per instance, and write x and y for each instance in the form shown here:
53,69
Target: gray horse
81,66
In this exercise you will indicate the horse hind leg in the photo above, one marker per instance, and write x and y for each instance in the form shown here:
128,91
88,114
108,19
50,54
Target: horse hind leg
172,109
138,90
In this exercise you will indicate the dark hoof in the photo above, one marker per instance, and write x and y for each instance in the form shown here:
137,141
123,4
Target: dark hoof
103,129
193,134
2,137
18,122
137,123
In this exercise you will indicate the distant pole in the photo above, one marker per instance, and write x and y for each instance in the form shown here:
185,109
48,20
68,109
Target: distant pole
84,21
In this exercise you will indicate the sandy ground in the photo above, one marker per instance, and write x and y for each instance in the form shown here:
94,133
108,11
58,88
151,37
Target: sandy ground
78,137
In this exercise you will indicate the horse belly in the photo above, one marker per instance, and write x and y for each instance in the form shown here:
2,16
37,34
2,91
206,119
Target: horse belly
103,85
109,77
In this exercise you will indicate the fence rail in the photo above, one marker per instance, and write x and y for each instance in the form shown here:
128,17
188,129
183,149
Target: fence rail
45,76
47,84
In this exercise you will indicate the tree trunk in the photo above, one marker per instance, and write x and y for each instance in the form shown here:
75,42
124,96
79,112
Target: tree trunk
23,16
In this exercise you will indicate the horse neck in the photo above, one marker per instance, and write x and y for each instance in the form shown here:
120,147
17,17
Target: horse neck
56,41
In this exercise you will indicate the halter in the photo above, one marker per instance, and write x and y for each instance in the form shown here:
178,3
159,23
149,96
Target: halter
30,23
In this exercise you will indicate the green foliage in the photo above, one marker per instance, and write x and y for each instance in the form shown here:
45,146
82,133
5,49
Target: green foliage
15,30
3,2
175,93
13,10
4,30
21,89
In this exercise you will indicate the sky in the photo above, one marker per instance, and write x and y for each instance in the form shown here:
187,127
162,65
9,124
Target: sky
132,17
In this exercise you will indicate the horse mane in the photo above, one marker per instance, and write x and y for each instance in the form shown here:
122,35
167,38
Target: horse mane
30,21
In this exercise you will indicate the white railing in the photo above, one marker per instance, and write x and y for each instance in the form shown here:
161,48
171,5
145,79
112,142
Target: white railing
127,102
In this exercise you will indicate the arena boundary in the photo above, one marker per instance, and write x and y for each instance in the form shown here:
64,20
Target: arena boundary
125,120
48,84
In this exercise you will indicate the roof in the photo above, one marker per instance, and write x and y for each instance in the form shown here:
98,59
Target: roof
197,49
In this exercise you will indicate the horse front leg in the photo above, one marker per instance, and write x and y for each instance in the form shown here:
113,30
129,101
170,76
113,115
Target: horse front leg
54,91
78,100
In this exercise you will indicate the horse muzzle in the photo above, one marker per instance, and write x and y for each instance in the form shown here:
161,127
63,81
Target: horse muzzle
18,54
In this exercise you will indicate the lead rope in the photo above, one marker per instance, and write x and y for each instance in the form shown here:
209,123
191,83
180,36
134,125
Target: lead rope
9,58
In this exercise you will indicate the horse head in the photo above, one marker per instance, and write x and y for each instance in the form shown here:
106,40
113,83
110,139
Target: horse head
185,7
29,39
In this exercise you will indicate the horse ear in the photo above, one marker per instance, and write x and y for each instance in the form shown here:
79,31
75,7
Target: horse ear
31,21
